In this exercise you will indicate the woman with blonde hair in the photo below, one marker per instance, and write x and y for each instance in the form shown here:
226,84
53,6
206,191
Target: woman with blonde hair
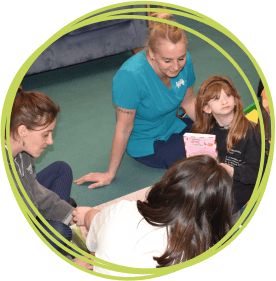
219,111
148,90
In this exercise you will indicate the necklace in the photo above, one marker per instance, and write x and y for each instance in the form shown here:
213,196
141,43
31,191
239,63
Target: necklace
227,127
21,172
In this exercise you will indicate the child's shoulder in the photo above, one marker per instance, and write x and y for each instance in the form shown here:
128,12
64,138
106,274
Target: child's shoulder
252,128
253,134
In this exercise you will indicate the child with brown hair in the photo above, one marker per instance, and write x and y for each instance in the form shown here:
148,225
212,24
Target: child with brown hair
188,211
219,111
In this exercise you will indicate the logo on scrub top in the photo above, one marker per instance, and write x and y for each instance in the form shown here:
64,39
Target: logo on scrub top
179,83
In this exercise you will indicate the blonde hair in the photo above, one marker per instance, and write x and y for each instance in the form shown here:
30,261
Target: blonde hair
210,89
165,31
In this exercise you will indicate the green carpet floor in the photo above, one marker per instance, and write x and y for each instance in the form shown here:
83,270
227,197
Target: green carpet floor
86,123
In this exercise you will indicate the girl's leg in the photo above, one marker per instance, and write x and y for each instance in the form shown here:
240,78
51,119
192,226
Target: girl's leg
167,152
57,177
61,228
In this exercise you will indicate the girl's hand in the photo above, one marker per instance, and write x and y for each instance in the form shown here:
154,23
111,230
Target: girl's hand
229,169
79,215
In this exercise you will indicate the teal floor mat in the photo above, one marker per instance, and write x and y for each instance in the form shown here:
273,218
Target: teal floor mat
86,123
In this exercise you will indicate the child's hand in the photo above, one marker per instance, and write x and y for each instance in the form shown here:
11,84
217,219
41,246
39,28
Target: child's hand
229,169
84,264
79,214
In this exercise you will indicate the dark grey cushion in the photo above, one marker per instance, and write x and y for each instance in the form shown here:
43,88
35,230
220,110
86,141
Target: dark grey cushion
95,26
103,24
69,50
92,42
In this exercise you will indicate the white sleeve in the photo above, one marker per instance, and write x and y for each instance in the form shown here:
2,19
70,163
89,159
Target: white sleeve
95,227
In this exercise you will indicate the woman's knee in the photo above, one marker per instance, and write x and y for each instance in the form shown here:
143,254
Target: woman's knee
62,229
64,168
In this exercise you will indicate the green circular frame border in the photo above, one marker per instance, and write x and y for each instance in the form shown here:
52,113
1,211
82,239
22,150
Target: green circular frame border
83,21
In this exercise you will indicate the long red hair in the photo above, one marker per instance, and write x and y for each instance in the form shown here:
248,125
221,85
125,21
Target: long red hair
210,89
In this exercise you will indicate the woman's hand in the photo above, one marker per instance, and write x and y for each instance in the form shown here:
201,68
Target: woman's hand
124,126
229,169
79,215
99,179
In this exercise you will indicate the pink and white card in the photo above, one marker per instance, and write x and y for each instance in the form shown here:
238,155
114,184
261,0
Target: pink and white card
196,144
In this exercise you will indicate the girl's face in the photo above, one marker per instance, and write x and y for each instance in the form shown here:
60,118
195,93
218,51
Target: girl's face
169,58
37,140
222,106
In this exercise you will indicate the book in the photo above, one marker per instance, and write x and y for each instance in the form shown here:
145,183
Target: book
78,238
196,144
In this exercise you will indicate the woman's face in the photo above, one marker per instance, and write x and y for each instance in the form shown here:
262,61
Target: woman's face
169,58
35,141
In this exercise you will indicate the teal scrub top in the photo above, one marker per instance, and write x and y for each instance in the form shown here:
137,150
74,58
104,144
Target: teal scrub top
137,86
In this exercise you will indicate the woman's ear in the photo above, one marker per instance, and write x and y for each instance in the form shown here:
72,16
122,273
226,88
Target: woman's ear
151,54
22,131
207,109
